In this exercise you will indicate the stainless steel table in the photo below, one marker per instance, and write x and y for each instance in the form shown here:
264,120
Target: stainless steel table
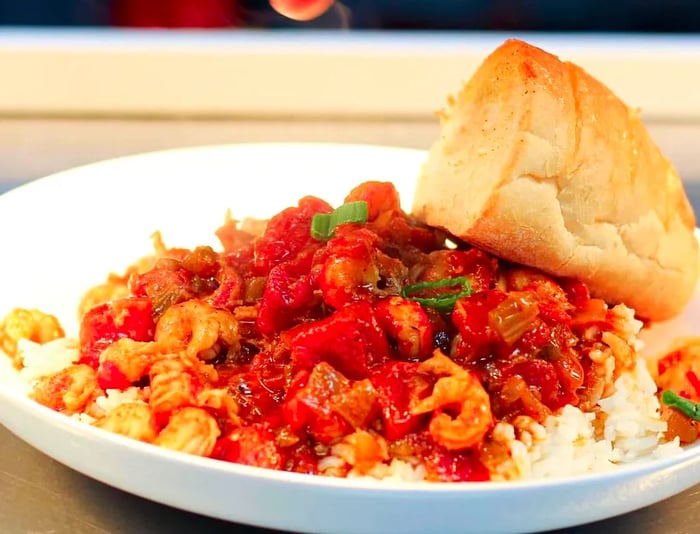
38,495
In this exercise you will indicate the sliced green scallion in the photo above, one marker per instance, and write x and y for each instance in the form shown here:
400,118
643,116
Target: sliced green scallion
688,407
323,225
442,302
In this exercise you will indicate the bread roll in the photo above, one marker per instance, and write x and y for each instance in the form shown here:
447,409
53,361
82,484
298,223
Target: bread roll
541,164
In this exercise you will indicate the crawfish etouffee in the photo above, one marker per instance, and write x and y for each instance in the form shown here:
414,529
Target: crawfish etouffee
354,342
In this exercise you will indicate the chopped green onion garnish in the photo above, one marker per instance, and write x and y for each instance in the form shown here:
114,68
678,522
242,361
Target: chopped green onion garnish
688,407
323,224
444,302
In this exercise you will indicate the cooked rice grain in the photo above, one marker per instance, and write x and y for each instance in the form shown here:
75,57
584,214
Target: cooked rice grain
42,360
633,431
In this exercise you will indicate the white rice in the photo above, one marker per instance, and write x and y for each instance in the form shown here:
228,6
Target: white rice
396,471
104,404
633,426
627,326
633,431
569,447
41,360
116,397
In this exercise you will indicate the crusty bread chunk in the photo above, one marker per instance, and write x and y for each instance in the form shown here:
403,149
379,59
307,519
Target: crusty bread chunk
543,165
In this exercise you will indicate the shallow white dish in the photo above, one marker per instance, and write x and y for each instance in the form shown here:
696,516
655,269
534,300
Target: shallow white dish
64,233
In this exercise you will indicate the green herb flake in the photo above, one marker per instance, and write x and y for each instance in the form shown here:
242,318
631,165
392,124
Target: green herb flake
323,225
444,302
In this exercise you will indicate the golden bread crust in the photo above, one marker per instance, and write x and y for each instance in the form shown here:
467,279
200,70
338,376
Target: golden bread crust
541,164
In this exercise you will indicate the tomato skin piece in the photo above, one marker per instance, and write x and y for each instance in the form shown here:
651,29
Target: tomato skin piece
109,376
294,410
104,324
301,458
350,340
576,291
255,402
453,466
288,293
249,445
287,234
395,391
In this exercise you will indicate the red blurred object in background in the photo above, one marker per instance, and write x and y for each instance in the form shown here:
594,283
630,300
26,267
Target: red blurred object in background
174,13
204,13
301,9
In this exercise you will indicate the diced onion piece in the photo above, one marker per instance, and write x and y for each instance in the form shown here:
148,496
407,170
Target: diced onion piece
594,311
679,425
624,354
356,404
513,317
